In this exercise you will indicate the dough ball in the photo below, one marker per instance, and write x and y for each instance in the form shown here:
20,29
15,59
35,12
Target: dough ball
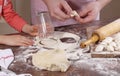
99,48
109,48
108,40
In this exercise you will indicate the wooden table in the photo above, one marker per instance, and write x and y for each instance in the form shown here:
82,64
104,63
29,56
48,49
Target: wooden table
87,69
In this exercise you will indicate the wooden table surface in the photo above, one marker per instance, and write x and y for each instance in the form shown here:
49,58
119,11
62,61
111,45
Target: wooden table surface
21,67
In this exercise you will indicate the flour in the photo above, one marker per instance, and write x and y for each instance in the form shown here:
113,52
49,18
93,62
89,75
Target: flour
104,66
78,57
72,51
5,72
56,43
109,44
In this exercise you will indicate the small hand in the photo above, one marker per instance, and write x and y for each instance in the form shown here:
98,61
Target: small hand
16,40
34,30
31,29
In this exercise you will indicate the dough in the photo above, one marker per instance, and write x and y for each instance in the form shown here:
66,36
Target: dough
55,42
110,44
52,60
49,42
74,13
68,46
99,48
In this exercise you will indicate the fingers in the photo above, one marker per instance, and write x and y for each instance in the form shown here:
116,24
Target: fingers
59,14
17,40
20,44
79,19
23,41
67,8
26,40
83,13
91,16
86,15
34,30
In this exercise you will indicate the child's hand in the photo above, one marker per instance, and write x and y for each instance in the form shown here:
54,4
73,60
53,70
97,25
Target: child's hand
15,40
31,30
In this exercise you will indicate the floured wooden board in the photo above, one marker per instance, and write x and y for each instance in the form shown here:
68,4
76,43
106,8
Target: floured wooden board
55,53
84,66
105,55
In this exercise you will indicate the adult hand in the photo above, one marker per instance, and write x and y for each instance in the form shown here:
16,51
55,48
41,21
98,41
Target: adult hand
59,9
89,12
15,40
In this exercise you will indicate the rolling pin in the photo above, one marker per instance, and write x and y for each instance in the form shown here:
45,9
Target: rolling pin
102,33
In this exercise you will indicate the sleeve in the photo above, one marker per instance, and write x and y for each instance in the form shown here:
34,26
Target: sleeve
12,17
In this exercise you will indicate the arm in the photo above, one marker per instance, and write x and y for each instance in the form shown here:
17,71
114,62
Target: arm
16,21
103,3
12,17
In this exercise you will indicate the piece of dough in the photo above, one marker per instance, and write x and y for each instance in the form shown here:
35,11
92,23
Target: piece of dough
74,13
99,48
52,60
110,44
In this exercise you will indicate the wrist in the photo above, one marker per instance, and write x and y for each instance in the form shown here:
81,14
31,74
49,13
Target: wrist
2,39
26,28
45,1
103,3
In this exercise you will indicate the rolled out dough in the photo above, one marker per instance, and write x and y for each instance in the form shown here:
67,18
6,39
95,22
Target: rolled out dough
55,42
52,60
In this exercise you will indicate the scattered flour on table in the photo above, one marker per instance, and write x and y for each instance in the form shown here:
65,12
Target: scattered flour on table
104,66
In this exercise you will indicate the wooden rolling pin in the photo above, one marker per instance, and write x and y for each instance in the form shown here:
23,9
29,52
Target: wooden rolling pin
102,33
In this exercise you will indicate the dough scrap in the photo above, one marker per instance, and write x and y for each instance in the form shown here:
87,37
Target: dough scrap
52,60
74,13
110,44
